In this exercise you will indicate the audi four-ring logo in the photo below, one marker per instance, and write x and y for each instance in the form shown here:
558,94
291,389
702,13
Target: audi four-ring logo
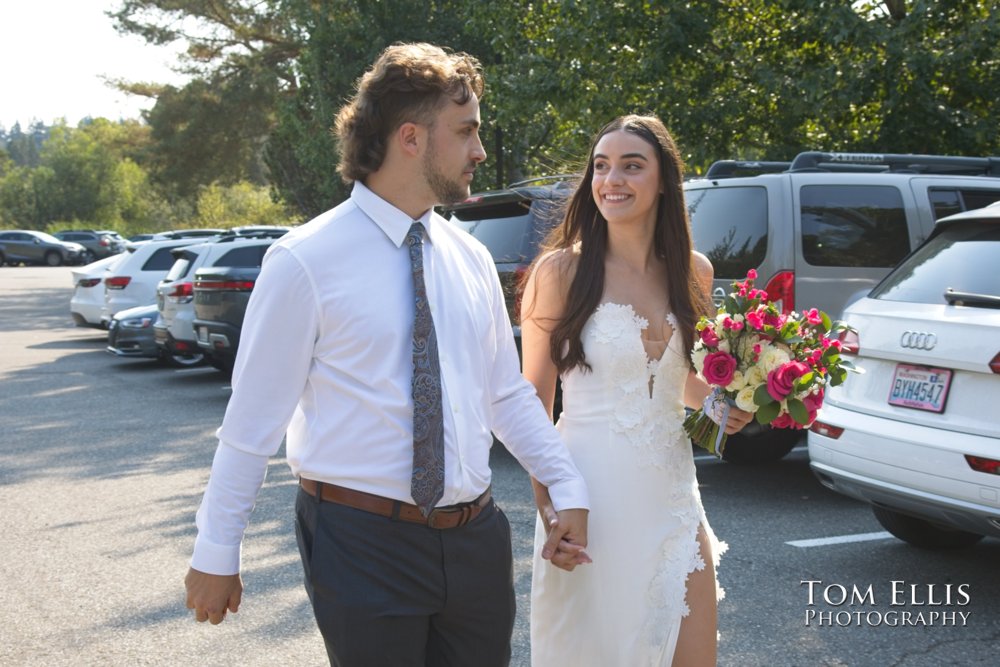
918,340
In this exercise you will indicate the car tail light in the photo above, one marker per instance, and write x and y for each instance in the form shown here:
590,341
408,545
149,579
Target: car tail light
105,242
88,282
235,285
181,293
826,430
117,282
980,464
995,364
850,342
781,291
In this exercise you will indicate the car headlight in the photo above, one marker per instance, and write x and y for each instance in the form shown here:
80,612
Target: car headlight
137,323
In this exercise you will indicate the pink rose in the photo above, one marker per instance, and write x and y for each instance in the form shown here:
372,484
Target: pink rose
752,274
709,338
813,317
718,368
781,380
756,320
784,420
813,403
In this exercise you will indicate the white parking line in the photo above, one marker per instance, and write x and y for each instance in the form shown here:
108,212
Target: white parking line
200,370
840,539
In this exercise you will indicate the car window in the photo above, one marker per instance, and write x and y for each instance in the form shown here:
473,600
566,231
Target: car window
946,201
180,268
956,258
850,225
246,257
500,227
729,225
160,260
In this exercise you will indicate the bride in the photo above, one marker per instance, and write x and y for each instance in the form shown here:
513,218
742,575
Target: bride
610,308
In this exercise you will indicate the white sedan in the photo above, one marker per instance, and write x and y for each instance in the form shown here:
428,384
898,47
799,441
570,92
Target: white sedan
88,291
918,435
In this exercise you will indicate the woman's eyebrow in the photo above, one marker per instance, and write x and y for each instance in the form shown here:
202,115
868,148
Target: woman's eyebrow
623,157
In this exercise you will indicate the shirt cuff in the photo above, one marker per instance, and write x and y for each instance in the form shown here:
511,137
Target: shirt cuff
215,558
569,495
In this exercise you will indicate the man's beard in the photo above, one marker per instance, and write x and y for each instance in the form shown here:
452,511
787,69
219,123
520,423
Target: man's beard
445,190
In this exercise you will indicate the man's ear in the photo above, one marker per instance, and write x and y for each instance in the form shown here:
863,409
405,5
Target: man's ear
411,138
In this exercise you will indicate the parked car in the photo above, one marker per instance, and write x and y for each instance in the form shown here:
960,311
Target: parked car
512,223
221,295
133,281
87,302
822,230
26,246
130,333
97,245
917,435
174,329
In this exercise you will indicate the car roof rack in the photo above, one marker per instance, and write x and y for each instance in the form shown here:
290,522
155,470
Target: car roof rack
897,163
559,178
737,168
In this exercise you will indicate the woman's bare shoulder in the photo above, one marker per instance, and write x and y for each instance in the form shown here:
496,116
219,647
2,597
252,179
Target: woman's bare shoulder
702,267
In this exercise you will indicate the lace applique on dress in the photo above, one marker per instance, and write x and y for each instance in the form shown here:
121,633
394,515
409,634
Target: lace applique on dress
634,376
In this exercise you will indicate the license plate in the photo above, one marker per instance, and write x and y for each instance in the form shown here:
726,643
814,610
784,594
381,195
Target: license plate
920,387
203,334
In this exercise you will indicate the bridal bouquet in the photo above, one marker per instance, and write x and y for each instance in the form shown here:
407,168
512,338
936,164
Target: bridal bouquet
774,365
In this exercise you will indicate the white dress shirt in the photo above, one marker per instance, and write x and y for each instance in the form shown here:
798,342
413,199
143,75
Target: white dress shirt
326,355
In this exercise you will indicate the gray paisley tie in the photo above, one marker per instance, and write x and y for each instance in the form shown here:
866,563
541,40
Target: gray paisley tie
427,482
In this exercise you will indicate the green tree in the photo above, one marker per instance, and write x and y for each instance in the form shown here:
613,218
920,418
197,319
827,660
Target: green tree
239,204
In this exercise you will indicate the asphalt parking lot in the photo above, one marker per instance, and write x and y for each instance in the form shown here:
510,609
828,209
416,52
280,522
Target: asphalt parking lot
103,461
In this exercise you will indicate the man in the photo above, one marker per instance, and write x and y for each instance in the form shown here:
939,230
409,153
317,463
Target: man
353,315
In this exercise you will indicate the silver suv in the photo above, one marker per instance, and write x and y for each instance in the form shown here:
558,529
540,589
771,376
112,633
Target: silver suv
822,230
174,330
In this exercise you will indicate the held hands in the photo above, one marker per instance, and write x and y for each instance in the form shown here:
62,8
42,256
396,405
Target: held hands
567,538
211,595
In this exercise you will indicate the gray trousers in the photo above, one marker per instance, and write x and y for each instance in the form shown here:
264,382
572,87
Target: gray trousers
390,593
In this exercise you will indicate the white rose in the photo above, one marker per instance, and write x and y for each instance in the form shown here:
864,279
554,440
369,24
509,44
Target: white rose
737,383
698,358
772,358
755,376
744,399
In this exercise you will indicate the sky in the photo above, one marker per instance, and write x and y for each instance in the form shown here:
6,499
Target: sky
54,53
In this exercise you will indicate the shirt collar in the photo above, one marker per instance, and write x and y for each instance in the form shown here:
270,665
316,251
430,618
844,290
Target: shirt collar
393,222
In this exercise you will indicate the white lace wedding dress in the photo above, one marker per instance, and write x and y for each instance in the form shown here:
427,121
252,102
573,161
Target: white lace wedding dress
622,424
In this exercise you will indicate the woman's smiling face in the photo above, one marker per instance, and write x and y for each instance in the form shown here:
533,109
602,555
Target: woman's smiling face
626,183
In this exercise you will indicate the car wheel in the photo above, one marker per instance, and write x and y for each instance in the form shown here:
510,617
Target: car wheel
922,533
222,365
52,258
88,257
757,443
2,259
185,360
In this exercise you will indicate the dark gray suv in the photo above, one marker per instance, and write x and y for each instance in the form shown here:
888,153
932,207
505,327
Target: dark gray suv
26,246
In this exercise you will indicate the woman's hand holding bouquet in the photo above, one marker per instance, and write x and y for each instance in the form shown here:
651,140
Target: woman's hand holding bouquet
774,365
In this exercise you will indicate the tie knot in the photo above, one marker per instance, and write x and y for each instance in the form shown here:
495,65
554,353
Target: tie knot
416,233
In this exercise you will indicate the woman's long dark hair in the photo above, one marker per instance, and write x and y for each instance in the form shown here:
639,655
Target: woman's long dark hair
584,226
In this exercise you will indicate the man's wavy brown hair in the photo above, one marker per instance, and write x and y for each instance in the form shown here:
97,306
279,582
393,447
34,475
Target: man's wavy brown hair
407,83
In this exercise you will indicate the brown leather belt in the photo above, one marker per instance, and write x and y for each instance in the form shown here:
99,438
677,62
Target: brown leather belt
452,516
